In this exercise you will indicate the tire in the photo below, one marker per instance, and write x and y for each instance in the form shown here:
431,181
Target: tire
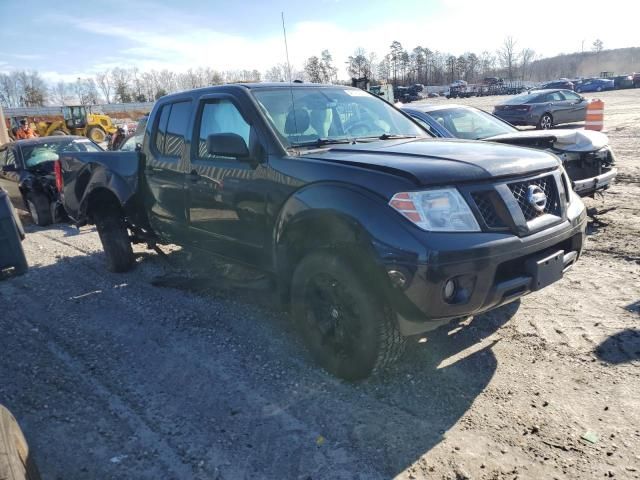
16,462
58,133
115,243
96,134
40,209
347,327
545,122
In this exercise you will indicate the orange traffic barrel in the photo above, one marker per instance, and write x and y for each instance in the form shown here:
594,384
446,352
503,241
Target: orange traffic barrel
595,115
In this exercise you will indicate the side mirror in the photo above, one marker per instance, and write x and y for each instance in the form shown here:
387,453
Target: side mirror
227,145
9,168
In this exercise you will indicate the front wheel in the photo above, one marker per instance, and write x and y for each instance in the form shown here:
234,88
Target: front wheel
97,134
545,122
114,236
40,209
347,327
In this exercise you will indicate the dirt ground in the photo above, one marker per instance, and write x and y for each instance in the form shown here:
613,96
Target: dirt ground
112,377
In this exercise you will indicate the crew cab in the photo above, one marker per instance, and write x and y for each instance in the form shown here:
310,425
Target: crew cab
371,229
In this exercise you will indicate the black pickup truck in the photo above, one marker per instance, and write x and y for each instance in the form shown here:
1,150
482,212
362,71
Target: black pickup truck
372,230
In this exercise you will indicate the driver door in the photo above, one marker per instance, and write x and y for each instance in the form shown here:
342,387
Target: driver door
226,196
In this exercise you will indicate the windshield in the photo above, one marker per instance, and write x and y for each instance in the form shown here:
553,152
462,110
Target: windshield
302,116
523,98
469,123
130,143
48,152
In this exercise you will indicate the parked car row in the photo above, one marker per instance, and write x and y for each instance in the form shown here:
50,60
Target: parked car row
581,85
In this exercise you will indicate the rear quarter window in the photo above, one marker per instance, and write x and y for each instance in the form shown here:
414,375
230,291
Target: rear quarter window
172,128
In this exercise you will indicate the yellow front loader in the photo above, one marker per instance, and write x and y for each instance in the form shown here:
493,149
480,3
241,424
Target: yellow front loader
76,121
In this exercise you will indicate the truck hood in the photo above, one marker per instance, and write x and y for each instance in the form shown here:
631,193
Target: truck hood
562,139
441,161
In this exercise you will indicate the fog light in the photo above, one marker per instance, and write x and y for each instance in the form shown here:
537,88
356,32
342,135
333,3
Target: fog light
397,278
449,290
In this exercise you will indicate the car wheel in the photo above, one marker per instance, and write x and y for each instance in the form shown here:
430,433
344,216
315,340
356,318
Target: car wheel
347,327
39,209
96,134
545,122
16,462
58,133
114,236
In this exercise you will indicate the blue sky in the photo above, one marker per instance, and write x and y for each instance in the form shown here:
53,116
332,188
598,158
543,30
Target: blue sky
64,40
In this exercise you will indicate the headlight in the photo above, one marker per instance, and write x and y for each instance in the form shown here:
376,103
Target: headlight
438,210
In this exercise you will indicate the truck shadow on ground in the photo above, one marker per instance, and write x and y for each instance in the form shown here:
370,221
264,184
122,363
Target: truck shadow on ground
622,347
408,408
387,422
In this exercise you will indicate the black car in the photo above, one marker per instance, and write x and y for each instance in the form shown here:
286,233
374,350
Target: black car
563,83
623,81
27,173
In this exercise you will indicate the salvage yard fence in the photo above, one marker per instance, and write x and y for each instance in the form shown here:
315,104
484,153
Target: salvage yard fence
109,108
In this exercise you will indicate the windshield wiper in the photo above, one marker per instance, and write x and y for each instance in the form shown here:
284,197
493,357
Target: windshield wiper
320,142
386,136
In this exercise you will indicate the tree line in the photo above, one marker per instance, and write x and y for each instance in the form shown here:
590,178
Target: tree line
399,66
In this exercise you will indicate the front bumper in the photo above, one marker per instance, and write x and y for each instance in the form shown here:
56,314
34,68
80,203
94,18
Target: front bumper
589,186
490,269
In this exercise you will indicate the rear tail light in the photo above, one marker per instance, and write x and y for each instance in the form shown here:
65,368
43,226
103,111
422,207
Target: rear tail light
57,168
522,108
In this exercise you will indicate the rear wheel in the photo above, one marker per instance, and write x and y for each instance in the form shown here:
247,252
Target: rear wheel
347,327
545,122
114,236
58,133
16,462
40,209
97,134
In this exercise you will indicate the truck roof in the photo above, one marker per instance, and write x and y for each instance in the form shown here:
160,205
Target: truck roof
257,86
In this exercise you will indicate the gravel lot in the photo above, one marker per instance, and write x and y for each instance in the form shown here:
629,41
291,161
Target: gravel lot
113,377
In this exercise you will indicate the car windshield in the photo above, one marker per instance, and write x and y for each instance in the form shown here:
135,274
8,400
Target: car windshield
324,115
130,143
523,98
470,124
43,152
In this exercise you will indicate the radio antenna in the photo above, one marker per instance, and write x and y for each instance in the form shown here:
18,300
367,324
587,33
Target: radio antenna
286,49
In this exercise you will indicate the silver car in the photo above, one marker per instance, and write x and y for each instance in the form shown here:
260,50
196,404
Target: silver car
543,108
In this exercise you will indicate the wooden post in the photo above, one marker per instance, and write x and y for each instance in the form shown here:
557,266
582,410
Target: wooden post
4,135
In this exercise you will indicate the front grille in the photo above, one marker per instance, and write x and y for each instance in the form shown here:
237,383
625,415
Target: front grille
487,209
548,186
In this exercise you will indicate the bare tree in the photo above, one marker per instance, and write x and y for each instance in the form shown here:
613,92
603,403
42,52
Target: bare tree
59,93
103,80
508,56
597,45
527,56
